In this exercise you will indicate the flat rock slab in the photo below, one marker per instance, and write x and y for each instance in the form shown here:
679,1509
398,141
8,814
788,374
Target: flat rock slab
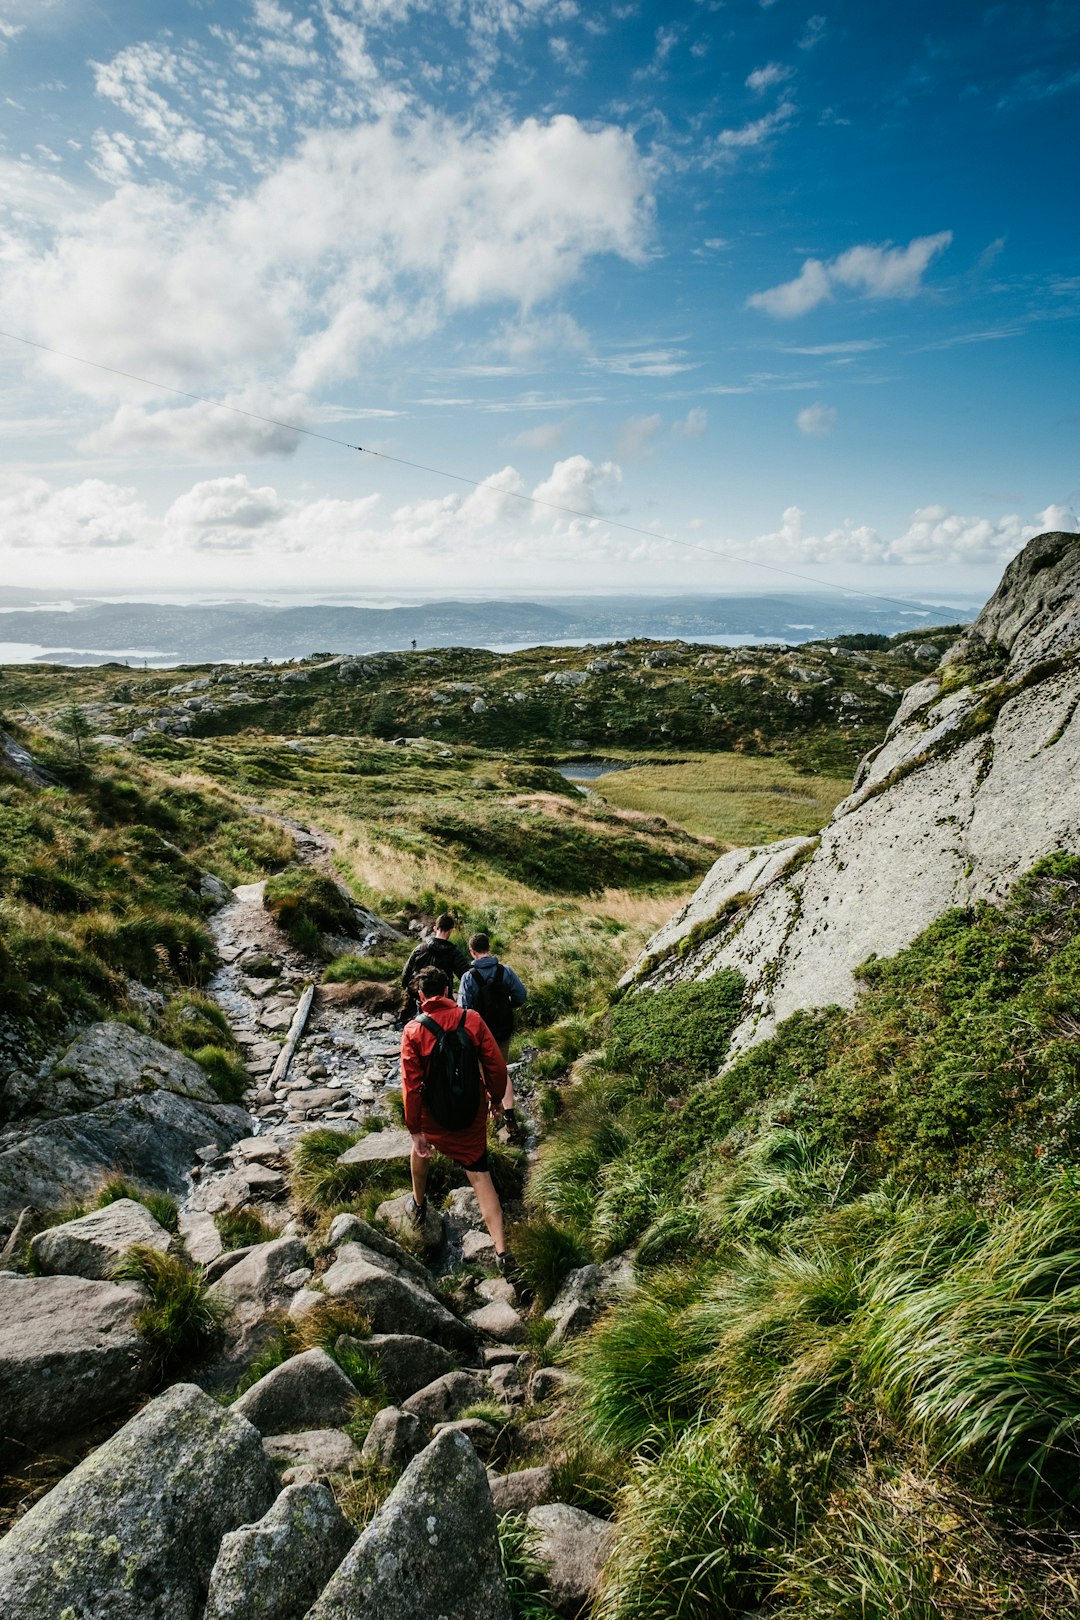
69,1353
432,1549
313,1099
133,1532
93,1245
111,1060
275,1568
523,1490
378,1146
329,1451
308,1391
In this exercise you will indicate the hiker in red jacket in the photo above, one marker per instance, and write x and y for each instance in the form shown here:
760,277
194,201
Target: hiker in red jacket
467,1144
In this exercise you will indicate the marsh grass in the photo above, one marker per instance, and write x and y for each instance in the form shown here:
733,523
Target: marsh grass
734,798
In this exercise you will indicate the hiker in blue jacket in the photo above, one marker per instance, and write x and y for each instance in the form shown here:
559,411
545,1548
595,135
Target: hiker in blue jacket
493,990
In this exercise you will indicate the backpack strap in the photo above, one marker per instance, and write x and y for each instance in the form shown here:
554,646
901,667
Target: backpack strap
497,978
430,1025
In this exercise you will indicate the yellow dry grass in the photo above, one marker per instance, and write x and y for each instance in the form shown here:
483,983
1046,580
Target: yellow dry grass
734,798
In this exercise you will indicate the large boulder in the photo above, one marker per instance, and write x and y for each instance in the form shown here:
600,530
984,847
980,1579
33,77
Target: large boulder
398,1265
571,1547
974,783
445,1397
393,1440
524,1489
258,1293
584,1295
133,1532
109,1061
94,1245
153,1138
395,1304
276,1568
309,1391
432,1548
405,1361
69,1353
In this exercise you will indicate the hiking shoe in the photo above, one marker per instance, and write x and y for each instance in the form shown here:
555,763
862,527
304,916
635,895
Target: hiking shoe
417,1213
515,1130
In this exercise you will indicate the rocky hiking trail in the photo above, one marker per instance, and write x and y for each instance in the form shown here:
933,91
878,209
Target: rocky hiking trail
392,1371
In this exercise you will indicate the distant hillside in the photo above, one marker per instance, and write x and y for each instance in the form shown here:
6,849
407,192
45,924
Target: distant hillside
249,630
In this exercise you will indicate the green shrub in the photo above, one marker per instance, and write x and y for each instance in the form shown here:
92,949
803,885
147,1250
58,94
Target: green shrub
683,1030
354,969
224,1070
305,904
161,1205
183,1321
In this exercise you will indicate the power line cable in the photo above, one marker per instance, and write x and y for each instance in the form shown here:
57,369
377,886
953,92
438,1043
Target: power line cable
460,478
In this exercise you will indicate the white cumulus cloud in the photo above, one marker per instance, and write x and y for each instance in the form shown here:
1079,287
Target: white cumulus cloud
816,421
874,271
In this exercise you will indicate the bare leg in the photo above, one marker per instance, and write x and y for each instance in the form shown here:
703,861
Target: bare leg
419,1168
490,1208
508,1099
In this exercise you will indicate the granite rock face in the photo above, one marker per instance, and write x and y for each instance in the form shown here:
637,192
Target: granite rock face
308,1391
395,1304
276,1568
406,1361
571,1547
111,1060
974,783
69,1353
133,1532
432,1549
93,1245
445,1397
153,1137
394,1439
256,1293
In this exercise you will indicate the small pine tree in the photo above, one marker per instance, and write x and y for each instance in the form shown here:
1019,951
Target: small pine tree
76,728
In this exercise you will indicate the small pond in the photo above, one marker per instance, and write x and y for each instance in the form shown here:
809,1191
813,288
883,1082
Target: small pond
587,770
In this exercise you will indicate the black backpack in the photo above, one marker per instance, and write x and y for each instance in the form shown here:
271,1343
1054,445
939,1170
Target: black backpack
436,953
451,1088
493,1003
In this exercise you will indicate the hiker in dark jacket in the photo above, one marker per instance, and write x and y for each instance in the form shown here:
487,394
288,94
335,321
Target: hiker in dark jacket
438,951
494,991
467,1146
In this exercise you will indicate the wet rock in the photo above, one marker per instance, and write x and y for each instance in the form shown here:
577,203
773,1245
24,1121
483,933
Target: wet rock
134,1531
396,1305
407,1363
571,1547
69,1353
394,1439
525,1489
431,1549
327,1451
308,1391
277,1567
445,1397
93,1245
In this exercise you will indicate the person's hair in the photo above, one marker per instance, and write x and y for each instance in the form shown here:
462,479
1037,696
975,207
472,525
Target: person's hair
480,944
444,924
431,981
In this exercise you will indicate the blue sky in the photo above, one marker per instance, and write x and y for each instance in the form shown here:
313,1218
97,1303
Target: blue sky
798,284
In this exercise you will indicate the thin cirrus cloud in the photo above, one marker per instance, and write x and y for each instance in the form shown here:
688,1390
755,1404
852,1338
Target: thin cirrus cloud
869,270
764,78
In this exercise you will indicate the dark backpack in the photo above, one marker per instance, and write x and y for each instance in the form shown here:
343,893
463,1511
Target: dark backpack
436,953
451,1088
493,1003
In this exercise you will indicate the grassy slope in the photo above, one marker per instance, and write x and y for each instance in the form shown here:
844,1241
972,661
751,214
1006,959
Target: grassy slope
848,1384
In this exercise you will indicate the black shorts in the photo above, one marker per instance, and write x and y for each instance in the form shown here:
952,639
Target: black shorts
480,1165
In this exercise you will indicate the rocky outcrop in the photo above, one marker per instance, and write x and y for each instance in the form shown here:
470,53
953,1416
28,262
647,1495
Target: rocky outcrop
974,783
108,1061
432,1548
70,1353
276,1568
396,1304
153,1138
133,1532
93,1245
405,1361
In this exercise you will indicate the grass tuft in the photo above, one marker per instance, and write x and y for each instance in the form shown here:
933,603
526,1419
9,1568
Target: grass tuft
183,1322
